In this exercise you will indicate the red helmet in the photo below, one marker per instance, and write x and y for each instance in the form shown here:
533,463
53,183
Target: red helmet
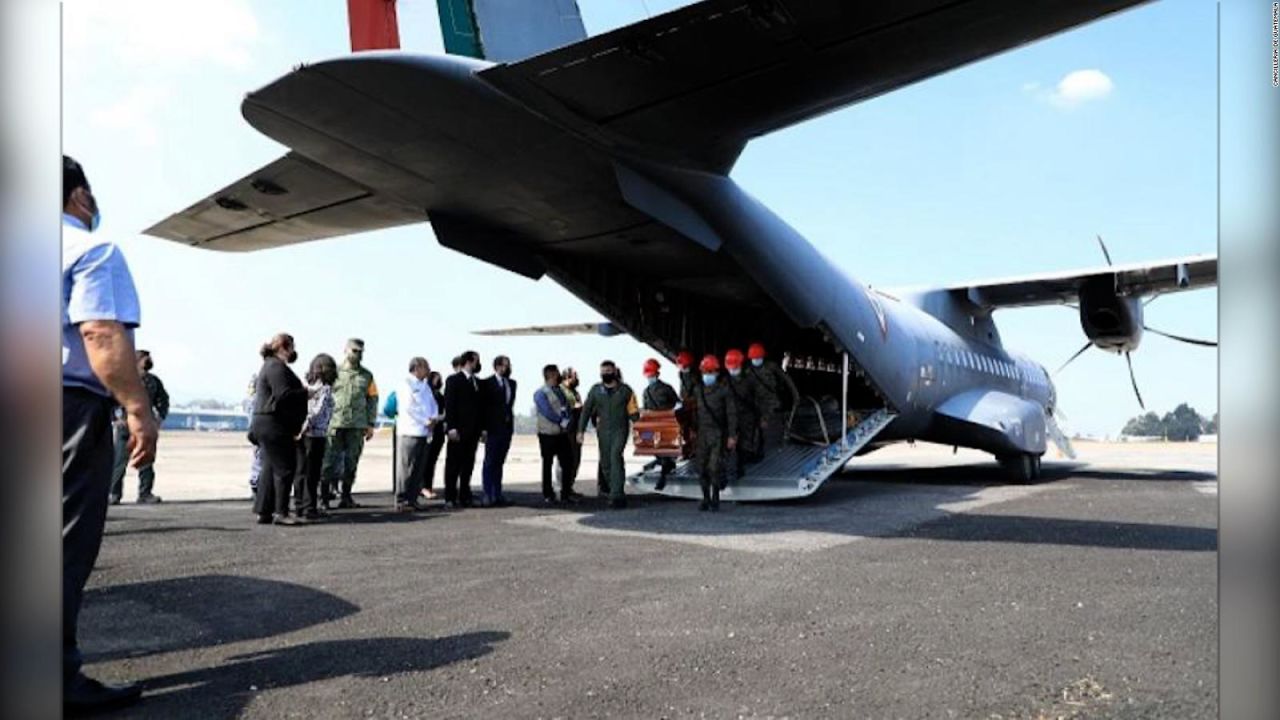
684,359
650,367
733,359
756,351
709,364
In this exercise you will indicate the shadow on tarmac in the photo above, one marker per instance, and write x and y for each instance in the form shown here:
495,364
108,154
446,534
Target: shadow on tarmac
1059,531
160,616
224,691
902,502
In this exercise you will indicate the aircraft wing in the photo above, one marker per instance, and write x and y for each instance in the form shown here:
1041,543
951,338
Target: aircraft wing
701,81
605,329
1136,279
257,212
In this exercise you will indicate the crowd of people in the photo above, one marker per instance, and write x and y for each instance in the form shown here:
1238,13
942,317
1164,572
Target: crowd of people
309,434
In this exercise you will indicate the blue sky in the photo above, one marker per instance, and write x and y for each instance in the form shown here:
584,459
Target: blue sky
1007,166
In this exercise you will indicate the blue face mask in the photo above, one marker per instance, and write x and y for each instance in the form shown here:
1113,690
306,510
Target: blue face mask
709,379
757,361
735,372
95,221
653,379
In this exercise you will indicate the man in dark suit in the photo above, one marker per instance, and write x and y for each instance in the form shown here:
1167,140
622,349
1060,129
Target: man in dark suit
498,395
464,416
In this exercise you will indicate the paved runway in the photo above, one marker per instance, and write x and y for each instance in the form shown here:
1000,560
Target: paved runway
915,585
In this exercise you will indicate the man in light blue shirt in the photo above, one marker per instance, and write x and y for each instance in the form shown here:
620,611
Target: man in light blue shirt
99,369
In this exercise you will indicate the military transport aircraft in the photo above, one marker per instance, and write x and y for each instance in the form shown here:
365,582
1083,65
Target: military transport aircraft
603,163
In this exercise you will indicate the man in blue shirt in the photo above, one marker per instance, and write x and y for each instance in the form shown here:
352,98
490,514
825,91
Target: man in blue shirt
99,369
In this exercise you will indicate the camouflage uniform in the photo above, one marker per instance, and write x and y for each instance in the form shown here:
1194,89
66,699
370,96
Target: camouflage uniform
685,415
750,399
159,398
717,422
659,395
774,381
355,409
614,410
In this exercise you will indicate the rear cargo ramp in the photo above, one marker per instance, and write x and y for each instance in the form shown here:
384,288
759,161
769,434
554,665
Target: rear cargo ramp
794,471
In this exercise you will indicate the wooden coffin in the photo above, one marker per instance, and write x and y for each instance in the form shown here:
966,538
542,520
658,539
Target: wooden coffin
657,433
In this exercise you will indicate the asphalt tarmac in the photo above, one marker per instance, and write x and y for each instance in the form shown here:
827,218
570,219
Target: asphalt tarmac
915,585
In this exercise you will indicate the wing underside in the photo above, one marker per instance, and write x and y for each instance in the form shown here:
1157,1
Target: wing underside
701,81
289,201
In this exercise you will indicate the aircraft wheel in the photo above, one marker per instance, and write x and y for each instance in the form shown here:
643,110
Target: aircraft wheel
1035,460
1021,468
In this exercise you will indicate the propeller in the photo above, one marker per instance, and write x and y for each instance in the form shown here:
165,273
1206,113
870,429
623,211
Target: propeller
1181,338
1129,360
1073,358
1105,254
1133,379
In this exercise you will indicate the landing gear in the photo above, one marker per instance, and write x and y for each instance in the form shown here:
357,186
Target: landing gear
1021,468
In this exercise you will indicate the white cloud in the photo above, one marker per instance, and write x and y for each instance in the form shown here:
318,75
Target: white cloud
133,113
167,32
1081,86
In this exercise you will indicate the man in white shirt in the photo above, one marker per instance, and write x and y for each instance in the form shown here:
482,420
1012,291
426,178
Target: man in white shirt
416,417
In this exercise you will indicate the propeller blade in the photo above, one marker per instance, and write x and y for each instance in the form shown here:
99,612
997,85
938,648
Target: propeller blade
1180,338
1105,254
1073,357
1133,379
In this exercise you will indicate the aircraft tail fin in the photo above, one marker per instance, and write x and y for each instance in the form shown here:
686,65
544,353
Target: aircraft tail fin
508,30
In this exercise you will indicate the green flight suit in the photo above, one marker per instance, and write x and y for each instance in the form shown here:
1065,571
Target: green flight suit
614,409
717,422
355,409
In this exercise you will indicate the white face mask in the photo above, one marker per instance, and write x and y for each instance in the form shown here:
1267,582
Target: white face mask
709,379
757,361
735,372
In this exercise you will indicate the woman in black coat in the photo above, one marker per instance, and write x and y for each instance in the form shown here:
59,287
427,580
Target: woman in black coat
279,409
437,434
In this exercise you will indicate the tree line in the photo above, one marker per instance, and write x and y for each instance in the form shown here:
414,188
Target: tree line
1182,424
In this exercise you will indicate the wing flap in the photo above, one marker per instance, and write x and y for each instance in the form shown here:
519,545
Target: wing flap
289,201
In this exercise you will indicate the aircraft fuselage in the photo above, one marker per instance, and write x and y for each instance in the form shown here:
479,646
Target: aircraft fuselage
635,237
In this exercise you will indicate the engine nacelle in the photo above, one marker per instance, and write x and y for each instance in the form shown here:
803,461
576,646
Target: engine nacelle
1110,321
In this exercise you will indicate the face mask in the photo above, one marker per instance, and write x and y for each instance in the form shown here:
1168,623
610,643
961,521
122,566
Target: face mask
708,379
653,379
735,372
293,356
95,220
608,377
757,361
